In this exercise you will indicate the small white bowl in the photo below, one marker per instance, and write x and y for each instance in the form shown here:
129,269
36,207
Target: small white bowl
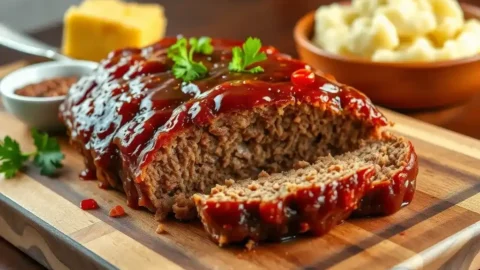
39,112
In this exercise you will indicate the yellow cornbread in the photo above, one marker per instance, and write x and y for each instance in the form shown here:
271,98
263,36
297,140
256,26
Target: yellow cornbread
96,27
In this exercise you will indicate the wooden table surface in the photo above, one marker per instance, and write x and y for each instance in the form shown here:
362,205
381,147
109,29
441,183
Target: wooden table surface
272,21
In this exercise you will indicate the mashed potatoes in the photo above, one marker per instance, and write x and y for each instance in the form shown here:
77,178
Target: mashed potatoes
397,30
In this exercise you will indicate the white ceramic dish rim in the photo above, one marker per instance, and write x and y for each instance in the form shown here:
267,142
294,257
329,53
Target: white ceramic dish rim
9,92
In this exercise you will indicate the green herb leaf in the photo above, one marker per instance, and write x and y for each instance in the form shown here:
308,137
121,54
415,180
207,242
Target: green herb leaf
179,49
11,157
185,67
202,45
237,60
48,156
246,56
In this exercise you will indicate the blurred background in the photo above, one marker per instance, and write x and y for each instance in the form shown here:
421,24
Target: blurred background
31,15
271,20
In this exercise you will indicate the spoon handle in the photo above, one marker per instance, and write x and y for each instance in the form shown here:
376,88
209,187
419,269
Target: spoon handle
23,43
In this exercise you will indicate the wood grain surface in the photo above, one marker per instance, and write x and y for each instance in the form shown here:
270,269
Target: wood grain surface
11,258
440,229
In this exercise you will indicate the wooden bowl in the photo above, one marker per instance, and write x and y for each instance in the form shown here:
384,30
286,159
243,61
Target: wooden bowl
396,85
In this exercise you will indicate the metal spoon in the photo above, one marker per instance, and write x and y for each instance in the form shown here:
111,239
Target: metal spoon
23,43
38,112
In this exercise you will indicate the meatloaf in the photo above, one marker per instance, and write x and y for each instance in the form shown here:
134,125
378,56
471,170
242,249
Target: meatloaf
312,197
161,140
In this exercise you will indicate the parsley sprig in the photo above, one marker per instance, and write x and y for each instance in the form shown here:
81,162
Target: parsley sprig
47,156
246,56
188,70
202,45
11,157
185,67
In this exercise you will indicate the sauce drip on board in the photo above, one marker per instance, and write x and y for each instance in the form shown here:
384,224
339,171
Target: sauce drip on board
132,104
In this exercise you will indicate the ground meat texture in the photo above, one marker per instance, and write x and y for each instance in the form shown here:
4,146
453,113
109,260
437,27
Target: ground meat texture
242,145
394,183
313,198
161,140
48,88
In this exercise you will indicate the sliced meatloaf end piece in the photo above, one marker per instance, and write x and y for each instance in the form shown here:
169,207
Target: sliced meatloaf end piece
310,199
276,206
394,183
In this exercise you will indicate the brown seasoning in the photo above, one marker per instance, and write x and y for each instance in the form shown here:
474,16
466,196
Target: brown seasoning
53,87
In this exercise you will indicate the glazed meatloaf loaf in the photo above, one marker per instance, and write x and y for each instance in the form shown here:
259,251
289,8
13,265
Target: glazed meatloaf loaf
378,177
161,140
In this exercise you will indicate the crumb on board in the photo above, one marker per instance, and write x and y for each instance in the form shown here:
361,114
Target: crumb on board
250,245
222,240
160,229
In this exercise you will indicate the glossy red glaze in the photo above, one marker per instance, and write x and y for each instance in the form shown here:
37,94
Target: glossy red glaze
316,208
303,77
88,174
387,197
88,204
132,105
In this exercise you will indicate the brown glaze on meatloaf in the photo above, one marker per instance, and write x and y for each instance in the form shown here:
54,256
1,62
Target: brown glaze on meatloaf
161,140
379,177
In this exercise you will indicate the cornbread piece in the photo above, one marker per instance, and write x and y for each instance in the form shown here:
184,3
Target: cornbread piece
313,198
96,27
161,140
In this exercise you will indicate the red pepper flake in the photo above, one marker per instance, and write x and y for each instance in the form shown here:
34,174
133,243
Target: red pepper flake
304,227
117,211
303,77
89,204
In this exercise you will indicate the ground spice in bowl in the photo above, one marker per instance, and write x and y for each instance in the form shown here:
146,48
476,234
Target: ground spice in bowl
53,87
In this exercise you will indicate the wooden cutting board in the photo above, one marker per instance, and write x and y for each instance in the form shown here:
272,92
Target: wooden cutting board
440,229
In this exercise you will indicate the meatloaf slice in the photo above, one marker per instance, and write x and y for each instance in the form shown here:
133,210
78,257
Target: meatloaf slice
312,198
241,145
160,140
